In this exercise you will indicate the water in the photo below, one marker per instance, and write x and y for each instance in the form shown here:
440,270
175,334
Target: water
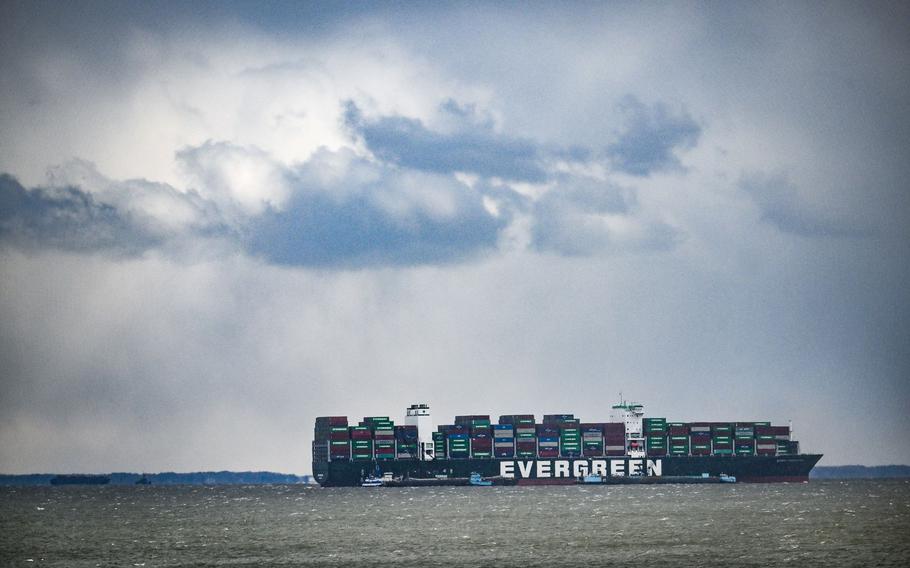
824,523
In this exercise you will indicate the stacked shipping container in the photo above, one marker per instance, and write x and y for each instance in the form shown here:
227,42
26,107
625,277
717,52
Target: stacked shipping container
678,438
560,435
503,440
331,438
614,439
592,440
655,430
406,442
524,428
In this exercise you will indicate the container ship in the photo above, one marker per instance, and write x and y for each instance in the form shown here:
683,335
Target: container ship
560,449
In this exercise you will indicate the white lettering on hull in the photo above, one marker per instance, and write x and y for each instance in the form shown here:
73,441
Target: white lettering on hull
578,468
617,468
525,468
543,469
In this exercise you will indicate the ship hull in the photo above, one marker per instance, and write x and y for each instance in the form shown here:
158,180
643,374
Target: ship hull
749,469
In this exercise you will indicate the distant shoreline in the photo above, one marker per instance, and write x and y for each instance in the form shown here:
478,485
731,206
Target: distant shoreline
172,478
860,472
272,478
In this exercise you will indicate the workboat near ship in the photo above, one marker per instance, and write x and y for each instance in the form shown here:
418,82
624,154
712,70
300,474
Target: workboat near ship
561,449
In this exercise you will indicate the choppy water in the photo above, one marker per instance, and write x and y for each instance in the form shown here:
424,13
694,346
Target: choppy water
825,523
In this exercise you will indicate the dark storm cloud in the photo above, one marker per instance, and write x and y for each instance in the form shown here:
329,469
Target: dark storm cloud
373,216
476,149
342,211
67,218
781,205
649,138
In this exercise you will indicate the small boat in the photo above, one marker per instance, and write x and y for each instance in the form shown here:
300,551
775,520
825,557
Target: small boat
592,479
477,479
724,478
371,481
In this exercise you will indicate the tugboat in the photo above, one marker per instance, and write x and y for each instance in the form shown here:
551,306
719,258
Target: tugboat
478,480
371,481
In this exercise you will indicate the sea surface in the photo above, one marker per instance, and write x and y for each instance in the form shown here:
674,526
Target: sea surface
821,523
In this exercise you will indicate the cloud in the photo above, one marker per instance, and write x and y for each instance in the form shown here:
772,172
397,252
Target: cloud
347,211
474,148
79,209
158,207
782,206
334,210
67,218
242,180
584,217
650,137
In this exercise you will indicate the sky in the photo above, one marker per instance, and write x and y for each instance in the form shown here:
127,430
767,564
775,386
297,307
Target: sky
221,220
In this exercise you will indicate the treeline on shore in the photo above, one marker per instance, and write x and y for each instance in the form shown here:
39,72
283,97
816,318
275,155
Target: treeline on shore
859,471
173,478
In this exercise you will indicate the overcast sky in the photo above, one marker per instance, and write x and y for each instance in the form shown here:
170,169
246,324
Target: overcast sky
219,221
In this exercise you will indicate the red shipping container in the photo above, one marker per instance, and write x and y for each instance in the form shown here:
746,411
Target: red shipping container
332,420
